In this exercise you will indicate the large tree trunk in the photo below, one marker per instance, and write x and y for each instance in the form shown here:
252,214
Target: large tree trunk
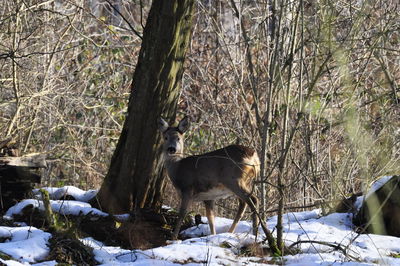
135,177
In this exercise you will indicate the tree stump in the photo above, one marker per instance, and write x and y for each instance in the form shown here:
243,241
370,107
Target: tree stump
17,178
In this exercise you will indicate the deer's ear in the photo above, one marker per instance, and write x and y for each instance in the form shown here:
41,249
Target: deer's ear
183,125
162,125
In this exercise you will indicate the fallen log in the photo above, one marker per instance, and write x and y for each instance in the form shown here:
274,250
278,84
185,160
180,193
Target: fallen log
35,160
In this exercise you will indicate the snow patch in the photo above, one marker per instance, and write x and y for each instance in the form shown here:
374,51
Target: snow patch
59,193
64,207
27,244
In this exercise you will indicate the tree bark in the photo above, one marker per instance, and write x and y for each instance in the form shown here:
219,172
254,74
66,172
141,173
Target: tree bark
135,177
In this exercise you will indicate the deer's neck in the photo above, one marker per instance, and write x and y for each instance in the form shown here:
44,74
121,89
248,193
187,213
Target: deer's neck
172,164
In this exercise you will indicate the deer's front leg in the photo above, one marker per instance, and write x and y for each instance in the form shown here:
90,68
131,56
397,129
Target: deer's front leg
210,215
186,201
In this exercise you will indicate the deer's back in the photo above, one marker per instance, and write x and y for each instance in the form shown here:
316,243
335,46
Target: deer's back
206,174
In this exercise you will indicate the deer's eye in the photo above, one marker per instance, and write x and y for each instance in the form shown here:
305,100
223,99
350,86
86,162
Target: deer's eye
165,138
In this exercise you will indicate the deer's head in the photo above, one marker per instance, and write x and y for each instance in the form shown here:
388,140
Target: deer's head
173,136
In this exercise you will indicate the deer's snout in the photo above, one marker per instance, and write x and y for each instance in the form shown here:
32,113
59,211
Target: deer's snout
171,150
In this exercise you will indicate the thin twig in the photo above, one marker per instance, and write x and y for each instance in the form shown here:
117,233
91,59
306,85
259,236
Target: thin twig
336,246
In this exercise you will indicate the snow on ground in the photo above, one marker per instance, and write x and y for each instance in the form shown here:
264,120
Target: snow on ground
26,244
58,193
308,231
65,207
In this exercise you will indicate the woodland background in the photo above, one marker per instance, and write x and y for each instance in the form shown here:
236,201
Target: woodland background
312,85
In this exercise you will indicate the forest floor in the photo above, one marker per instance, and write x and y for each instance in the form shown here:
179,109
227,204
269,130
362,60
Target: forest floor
91,238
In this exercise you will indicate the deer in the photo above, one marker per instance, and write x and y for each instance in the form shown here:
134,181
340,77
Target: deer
210,176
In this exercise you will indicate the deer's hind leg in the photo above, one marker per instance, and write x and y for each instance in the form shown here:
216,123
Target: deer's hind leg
246,196
239,214
254,214
210,215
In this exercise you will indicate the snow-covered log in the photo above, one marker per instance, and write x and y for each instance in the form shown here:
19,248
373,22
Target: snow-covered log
380,209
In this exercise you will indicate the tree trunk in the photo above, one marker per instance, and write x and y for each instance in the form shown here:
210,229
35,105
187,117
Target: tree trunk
135,177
